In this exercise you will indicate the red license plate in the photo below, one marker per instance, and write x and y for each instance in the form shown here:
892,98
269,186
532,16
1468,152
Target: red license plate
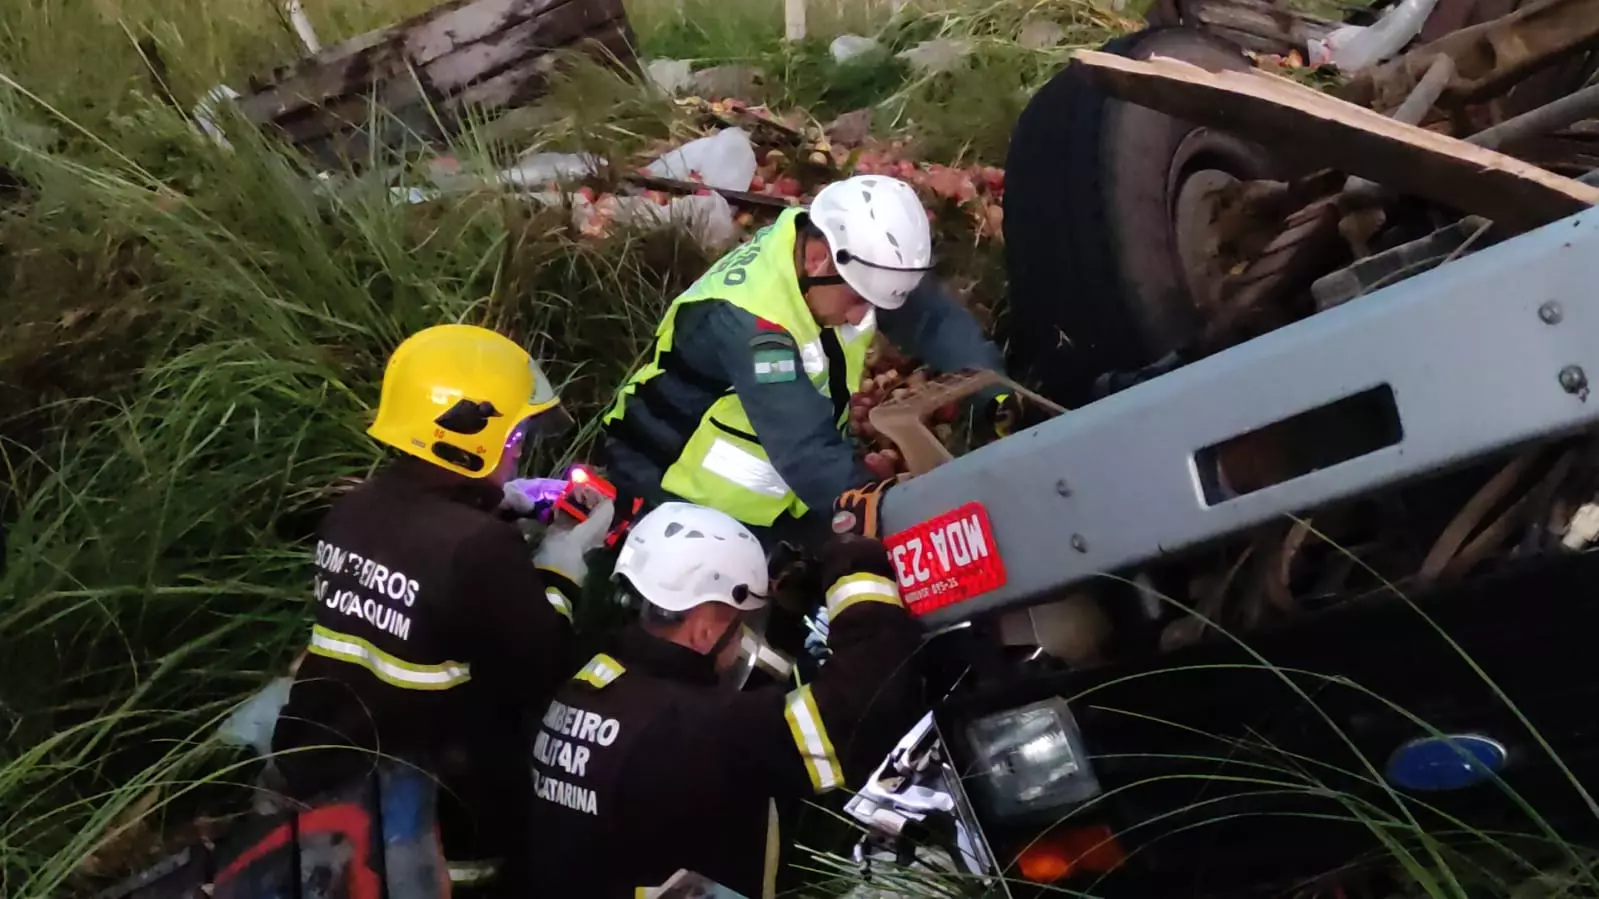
947,559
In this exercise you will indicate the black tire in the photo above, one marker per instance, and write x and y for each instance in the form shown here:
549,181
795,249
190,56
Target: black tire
1095,281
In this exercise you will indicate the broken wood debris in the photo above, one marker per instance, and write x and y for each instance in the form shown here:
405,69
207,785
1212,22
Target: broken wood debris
688,188
1326,131
1259,25
418,78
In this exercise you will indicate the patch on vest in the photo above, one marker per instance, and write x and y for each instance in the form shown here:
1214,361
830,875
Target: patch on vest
773,354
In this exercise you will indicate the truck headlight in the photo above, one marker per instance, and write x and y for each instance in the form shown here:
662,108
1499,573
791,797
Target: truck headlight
1031,759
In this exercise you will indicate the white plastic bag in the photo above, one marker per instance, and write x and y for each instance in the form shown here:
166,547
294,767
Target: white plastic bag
204,113
942,54
542,168
725,160
1355,47
251,724
846,47
670,75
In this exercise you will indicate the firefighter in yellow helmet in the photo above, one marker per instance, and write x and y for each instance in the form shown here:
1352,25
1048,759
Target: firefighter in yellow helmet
437,631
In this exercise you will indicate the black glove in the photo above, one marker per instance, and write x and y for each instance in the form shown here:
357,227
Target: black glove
847,553
796,578
856,511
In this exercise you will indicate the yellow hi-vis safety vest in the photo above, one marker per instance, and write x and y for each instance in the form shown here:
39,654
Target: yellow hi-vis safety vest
722,464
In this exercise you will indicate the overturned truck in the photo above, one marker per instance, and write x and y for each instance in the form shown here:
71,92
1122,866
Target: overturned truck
1295,590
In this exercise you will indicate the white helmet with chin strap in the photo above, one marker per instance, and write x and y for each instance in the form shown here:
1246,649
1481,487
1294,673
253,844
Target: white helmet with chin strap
681,555
877,229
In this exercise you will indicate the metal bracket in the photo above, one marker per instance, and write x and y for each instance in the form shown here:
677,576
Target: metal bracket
1466,360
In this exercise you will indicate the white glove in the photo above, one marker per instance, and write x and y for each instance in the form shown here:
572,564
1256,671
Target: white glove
816,636
522,494
565,544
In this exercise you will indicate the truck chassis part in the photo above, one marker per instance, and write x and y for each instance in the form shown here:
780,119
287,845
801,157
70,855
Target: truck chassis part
1135,477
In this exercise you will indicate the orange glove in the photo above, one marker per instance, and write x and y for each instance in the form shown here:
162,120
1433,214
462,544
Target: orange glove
855,510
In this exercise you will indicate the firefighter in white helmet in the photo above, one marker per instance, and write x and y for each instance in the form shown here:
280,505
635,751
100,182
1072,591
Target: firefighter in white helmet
644,765
743,405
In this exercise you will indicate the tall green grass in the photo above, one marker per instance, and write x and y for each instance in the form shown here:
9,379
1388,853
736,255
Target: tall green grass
158,510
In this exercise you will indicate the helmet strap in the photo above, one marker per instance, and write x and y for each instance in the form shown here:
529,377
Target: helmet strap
721,642
807,281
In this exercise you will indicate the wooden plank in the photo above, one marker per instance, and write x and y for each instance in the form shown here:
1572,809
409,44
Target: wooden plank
421,75
689,188
454,46
1259,25
1324,131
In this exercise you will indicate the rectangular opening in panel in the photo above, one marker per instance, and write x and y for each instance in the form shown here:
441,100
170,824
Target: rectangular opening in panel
1296,446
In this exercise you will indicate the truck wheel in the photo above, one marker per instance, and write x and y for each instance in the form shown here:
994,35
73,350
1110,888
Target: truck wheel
1095,190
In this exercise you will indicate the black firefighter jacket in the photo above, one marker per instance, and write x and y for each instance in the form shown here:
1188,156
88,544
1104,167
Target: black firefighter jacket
435,636
642,765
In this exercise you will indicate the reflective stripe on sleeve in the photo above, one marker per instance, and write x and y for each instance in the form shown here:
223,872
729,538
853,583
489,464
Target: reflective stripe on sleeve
743,468
559,602
775,663
331,644
600,671
853,588
810,737
813,357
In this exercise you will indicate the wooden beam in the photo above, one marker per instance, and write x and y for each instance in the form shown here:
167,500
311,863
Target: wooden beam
422,74
1260,25
1325,131
689,188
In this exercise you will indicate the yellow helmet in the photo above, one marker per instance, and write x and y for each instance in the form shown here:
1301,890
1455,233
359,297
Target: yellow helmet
459,396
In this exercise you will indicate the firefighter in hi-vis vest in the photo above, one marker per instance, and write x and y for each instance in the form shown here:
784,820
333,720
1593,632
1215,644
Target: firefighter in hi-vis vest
438,633
744,404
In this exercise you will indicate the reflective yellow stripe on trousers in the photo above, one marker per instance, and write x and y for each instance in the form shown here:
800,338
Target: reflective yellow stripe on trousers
331,644
473,873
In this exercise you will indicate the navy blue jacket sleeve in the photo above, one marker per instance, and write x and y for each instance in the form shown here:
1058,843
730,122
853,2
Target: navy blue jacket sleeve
792,419
933,326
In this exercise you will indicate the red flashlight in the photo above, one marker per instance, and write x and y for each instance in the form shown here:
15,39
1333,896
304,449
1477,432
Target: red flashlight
571,501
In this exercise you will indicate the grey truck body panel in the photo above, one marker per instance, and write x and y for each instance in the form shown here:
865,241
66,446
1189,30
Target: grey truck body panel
1481,353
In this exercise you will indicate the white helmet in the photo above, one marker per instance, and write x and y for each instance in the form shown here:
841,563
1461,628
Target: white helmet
681,555
877,229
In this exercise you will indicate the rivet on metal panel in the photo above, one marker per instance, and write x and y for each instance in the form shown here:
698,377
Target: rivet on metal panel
1574,380
1079,544
1063,488
1550,313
